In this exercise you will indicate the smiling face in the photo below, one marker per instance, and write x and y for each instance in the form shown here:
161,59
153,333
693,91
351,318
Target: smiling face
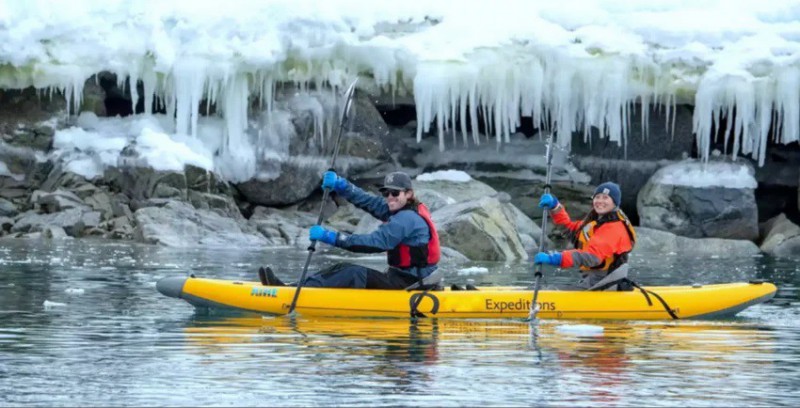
603,204
397,199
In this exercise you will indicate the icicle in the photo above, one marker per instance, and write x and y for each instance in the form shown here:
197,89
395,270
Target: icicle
149,79
674,105
422,99
453,106
237,152
189,78
703,111
463,99
133,82
731,103
441,119
644,102
787,100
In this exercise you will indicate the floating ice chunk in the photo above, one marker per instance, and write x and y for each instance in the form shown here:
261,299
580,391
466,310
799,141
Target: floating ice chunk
48,305
475,270
74,291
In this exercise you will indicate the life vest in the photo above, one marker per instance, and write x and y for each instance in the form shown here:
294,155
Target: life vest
582,236
404,256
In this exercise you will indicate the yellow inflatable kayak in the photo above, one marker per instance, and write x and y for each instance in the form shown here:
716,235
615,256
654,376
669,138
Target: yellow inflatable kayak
650,303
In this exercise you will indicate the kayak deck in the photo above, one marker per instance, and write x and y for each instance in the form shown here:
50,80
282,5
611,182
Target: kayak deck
651,303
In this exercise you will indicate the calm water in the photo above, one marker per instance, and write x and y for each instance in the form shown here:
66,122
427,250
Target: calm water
82,324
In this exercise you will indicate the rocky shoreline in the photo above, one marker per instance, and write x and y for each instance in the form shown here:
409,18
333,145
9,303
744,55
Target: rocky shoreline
490,217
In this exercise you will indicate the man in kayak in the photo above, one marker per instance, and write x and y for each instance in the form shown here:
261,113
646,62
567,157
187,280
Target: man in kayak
408,236
602,240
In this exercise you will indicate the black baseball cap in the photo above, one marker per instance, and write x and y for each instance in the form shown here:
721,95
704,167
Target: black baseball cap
396,181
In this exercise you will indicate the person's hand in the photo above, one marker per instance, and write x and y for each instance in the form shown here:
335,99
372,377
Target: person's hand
317,233
548,201
332,181
549,258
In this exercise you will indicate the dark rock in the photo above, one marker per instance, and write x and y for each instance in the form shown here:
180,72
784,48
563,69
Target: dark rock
655,142
57,201
296,181
7,208
714,211
27,117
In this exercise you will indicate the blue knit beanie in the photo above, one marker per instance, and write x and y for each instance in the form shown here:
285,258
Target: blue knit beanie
612,189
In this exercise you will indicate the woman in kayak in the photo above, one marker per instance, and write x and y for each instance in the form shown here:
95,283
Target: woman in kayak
602,240
408,236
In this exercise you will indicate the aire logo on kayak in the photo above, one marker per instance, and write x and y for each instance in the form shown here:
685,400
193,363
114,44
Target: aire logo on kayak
269,292
519,304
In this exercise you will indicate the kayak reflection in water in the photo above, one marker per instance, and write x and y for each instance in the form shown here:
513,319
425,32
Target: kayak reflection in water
408,236
602,240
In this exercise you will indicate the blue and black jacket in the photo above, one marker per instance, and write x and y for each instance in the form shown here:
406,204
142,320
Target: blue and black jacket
402,227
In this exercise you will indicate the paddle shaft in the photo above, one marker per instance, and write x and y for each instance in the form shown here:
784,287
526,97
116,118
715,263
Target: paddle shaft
545,213
326,191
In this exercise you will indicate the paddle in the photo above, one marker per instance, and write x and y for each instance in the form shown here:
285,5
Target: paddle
311,248
549,159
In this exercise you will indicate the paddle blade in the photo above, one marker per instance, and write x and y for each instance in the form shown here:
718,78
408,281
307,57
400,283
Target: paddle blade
348,101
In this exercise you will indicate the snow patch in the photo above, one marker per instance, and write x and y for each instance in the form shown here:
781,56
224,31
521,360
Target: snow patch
703,175
456,176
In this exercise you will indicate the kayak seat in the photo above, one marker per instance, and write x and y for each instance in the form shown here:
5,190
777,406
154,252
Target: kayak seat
430,282
616,280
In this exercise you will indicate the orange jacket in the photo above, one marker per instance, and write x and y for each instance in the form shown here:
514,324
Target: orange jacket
609,239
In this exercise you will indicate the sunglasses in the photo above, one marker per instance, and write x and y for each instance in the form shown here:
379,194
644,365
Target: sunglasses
393,193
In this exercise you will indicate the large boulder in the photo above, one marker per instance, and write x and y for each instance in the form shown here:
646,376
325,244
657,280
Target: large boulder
661,242
179,224
74,221
781,237
7,208
282,227
295,178
479,229
456,185
59,200
701,200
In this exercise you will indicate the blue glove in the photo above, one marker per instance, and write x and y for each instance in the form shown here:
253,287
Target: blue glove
331,181
548,201
317,233
550,258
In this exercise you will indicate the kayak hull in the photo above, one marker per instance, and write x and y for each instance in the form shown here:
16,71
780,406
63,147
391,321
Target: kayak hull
684,302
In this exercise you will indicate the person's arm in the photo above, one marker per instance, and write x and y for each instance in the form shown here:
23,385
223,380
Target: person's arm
609,239
386,237
370,203
374,205
561,217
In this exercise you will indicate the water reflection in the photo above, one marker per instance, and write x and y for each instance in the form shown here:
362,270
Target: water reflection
604,367
390,348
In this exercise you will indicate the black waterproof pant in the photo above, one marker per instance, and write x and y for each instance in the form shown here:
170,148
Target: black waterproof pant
347,275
